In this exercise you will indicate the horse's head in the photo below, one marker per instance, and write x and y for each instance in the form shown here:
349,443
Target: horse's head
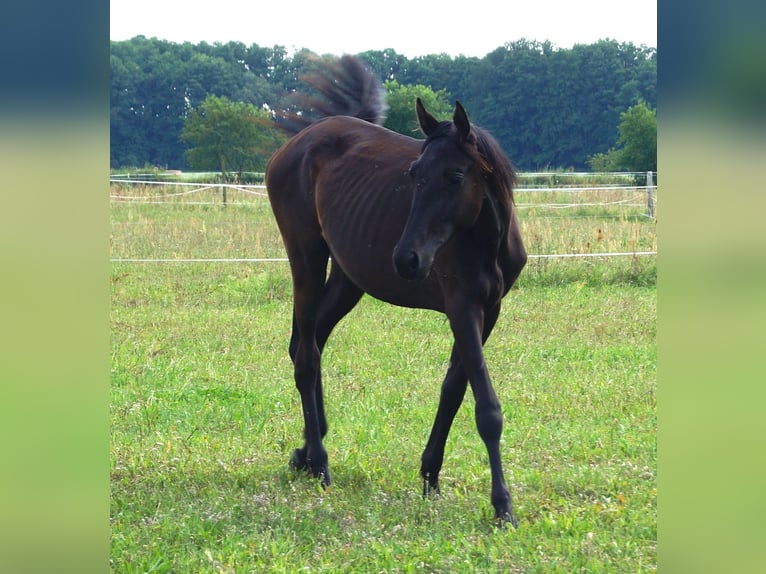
449,184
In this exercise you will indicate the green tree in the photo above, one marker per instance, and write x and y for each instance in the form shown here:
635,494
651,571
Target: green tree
401,116
229,136
546,106
637,143
638,137
607,161
155,84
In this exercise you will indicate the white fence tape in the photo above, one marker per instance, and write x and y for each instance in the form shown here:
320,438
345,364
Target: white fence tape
250,189
284,259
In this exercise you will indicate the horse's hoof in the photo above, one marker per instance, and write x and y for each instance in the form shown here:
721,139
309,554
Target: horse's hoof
505,518
324,477
298,459
430,489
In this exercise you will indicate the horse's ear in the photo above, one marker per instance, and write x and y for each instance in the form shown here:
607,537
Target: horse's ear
428,123
460,119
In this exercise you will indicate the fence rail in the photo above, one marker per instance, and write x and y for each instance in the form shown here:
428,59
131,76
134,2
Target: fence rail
648,190
148,235
285,259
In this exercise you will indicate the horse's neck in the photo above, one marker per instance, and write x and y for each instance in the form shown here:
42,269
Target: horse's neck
493,206
500,231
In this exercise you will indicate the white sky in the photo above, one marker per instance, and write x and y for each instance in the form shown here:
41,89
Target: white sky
410,27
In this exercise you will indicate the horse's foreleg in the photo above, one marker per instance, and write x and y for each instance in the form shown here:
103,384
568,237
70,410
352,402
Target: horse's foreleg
489,422
452,393
470,332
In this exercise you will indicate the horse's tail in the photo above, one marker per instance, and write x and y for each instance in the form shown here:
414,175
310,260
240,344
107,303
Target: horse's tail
340,87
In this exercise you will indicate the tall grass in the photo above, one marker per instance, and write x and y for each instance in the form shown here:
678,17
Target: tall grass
204,412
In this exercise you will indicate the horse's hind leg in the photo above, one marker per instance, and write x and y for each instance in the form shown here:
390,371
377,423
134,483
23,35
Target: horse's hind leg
339,296
309,267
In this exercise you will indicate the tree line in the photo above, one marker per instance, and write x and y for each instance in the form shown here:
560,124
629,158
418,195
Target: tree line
548,107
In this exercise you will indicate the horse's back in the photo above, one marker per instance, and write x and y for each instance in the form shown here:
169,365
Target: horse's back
293,169
326,144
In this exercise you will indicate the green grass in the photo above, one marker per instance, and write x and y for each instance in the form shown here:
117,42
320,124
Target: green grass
204,415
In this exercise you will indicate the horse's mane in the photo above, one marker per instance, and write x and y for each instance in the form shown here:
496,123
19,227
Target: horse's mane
338,87
497,167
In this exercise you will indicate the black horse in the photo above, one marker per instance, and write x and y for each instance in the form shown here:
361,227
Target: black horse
426,224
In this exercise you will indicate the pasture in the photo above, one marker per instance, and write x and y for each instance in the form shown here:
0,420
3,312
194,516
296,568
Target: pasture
204,411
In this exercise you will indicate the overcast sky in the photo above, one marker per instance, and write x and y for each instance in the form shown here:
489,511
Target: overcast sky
410,27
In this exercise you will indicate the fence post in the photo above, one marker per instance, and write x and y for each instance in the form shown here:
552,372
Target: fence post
650,193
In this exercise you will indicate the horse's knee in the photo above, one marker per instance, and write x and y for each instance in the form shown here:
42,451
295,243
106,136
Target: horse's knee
306,367
489,422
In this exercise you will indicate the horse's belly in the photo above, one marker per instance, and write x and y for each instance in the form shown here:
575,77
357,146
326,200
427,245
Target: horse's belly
370,267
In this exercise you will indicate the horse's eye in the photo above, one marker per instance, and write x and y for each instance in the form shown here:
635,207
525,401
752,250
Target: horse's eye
455,176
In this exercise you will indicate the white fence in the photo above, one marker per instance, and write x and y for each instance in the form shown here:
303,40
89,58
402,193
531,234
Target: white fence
645,192
586,194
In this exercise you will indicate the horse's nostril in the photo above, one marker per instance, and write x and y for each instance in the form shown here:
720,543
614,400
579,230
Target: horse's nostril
412,261
407,263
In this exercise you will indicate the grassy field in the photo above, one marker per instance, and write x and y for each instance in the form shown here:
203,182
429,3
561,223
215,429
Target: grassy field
204,412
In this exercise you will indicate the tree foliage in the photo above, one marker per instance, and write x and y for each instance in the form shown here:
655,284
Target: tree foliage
638,138
229,136
637,141
547,107
400,116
